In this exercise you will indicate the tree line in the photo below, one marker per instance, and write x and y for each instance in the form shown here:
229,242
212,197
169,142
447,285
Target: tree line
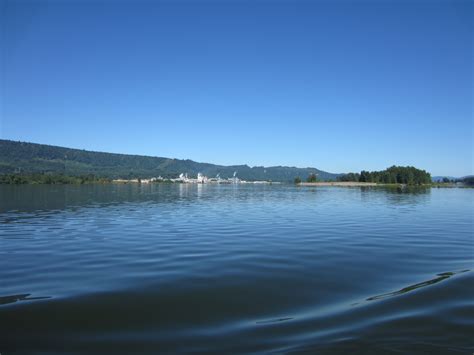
29,158
408,175
42,178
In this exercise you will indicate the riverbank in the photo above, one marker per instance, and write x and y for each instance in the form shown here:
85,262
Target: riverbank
368,184
338,183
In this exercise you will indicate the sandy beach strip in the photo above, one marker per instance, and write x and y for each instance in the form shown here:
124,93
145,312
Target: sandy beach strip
338,183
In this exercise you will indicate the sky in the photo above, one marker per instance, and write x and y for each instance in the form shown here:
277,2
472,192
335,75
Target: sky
337,85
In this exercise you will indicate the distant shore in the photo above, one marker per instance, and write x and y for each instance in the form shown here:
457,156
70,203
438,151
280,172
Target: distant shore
338,183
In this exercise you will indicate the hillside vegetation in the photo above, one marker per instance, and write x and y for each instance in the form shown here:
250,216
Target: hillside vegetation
21,158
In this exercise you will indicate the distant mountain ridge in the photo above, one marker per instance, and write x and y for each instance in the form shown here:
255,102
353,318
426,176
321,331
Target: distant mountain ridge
452,178
440,178
27,158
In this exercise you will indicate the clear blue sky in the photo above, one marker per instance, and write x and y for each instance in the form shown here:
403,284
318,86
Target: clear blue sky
338,85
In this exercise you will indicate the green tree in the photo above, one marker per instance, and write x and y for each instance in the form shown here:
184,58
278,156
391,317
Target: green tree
312,178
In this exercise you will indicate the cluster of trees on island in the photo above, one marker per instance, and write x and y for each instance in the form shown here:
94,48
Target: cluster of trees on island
468,180
408,175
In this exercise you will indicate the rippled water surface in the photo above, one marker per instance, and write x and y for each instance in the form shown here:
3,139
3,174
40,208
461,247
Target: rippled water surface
235,269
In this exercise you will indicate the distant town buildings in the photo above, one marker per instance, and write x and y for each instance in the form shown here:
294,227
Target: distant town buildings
200,179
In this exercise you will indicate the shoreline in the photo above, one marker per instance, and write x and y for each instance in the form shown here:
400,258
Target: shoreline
340,183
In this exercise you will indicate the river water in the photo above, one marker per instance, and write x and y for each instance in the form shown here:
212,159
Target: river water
235,269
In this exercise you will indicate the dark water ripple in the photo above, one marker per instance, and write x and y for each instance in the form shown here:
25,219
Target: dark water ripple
235,269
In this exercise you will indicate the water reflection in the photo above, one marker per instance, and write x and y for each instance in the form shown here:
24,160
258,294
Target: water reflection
31,198
413,190
397,196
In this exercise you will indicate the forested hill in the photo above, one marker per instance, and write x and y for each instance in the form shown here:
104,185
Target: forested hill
27,158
